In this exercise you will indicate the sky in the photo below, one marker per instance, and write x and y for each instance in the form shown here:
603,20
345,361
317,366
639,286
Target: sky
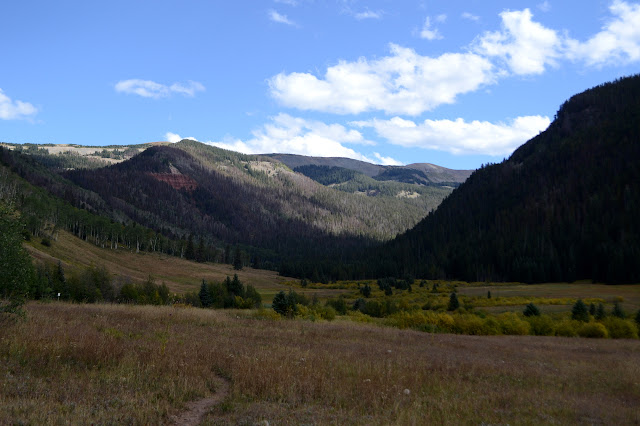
454,83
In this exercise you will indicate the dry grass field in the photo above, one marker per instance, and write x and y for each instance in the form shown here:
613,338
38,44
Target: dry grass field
179,275
116,364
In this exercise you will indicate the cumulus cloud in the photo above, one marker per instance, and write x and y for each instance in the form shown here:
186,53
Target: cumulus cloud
617,42
293,135
527,47
386,161
402,83
151,89
14,110
280,19
174,137
459,136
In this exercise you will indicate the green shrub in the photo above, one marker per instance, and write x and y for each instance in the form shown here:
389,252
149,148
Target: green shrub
620,328
542,325
593,329
468,324
512,324
567,328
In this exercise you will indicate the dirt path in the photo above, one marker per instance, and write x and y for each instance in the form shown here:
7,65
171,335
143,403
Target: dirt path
196,410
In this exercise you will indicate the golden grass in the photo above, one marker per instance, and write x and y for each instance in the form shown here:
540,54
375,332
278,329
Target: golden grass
180,275
140,365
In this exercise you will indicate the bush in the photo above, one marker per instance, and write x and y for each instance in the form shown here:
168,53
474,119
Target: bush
469,324
567,328
620,328
541,325
593,330
339,305
512,324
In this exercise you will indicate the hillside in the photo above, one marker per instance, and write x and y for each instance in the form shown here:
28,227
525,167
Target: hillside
192,193
417,173
562,207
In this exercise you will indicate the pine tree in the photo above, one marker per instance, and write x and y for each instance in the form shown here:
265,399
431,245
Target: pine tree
579,311
638,318
600,314
592,310
237,260
618,311
489,294
531,310
453,302
190,252
205,296
279,303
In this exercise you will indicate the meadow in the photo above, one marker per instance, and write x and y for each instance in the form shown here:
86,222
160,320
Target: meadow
100,363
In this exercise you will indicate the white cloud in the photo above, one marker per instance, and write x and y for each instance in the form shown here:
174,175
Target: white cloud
527,47
174,137
459,136
14,110
402,83
470,17
428,32
387,161
368,14
288,2
617,42
292,135
281,19
151,89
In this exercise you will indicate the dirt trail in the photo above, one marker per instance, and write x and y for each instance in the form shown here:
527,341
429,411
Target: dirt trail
196,410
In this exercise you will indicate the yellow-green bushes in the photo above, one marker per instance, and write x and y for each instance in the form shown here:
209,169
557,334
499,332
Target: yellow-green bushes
620,328
593,329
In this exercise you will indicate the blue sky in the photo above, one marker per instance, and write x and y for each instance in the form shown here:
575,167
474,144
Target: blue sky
455,83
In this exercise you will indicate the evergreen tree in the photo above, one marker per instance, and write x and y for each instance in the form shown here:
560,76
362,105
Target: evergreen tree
489,294
580,312
279,303
201,254
531,310
638,318
205,295
618,311
366,290
453,302
592,310
190,252
600,314
17,273
237,260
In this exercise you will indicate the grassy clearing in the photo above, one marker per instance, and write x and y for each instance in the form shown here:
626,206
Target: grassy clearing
179,275
140,365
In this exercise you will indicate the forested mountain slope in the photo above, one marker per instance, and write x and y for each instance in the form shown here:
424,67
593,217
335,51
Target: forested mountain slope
563,207
192,191
417,173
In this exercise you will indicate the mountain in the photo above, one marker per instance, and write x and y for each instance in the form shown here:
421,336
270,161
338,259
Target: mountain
417,173
169,197
293,161
563,207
